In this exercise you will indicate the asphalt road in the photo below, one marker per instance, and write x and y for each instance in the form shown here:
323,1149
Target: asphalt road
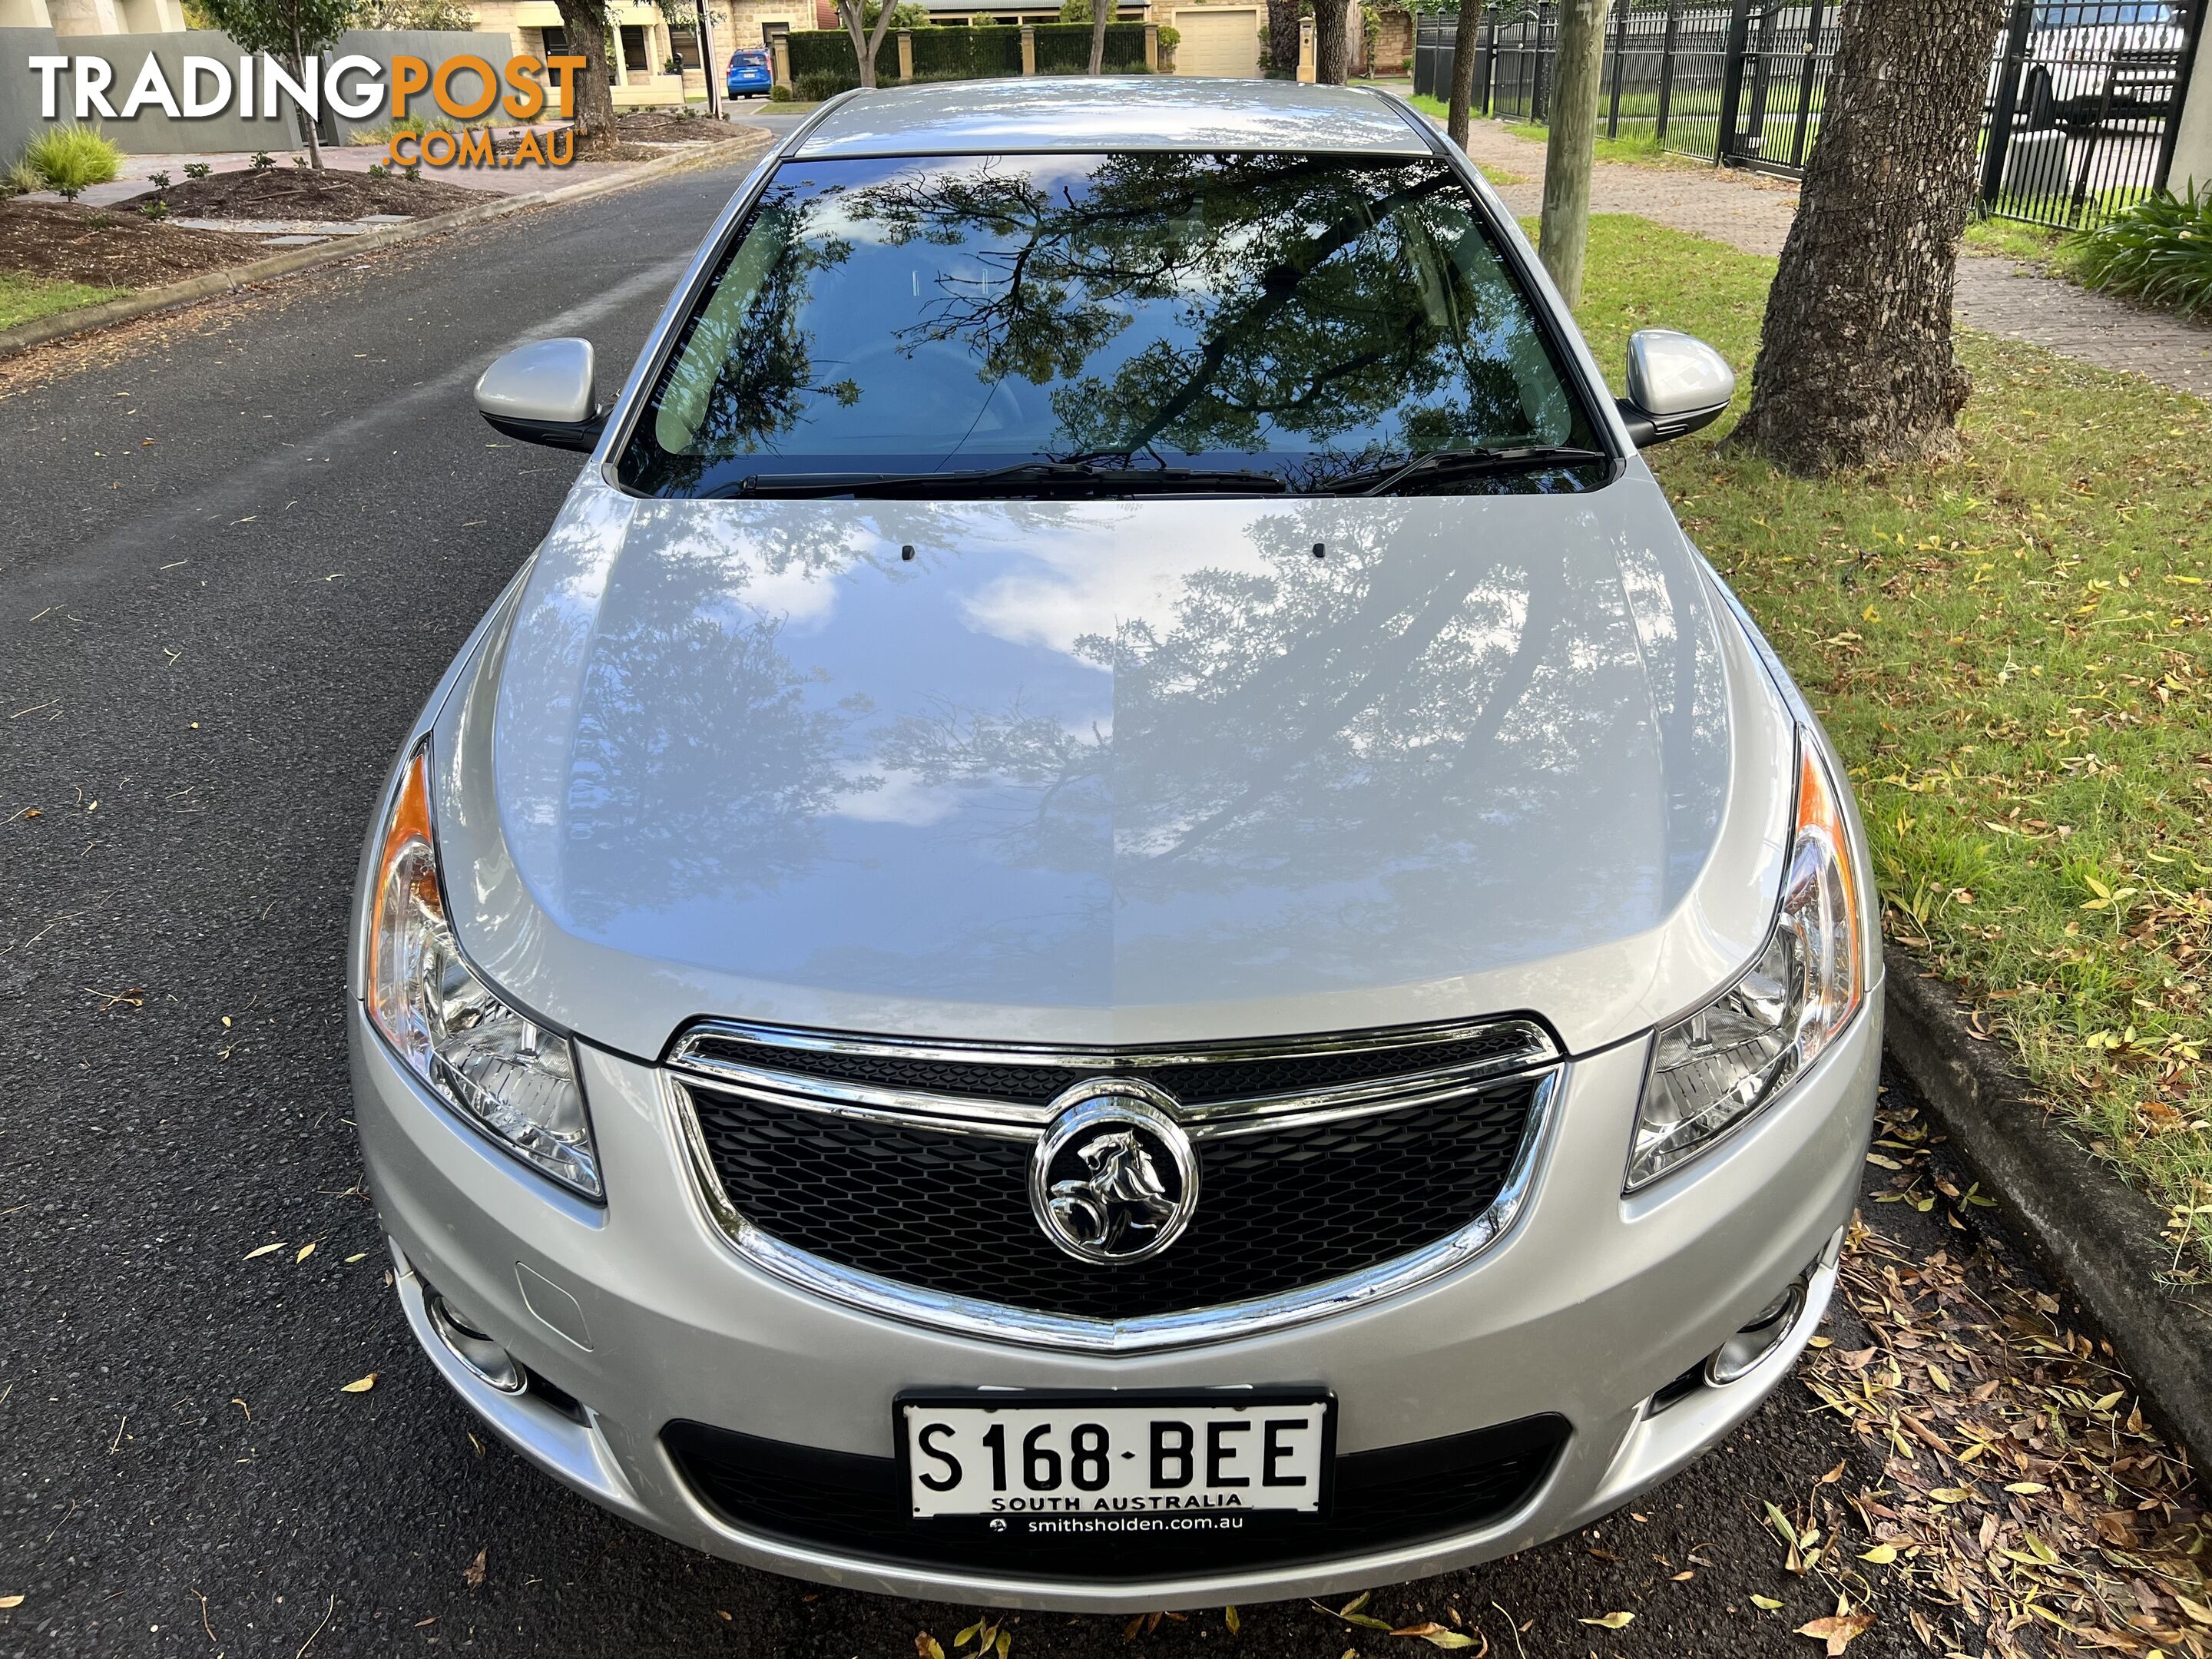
238,547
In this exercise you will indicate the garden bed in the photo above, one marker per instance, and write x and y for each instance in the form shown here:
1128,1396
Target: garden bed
304,193
661,126
112,248
2014,652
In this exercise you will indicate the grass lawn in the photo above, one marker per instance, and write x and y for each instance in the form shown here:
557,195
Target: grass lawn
2014,651
26,299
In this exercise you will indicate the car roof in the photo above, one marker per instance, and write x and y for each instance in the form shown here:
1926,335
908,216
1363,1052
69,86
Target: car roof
1076,113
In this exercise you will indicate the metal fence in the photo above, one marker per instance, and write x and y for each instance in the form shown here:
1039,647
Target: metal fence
2083,101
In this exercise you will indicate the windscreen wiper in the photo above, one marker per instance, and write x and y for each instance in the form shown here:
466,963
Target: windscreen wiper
1075,477
1442,465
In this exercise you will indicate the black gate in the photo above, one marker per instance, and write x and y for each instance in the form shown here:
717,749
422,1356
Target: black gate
2084,103
2084,95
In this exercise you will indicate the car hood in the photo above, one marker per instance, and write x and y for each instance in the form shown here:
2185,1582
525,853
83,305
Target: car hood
1113,771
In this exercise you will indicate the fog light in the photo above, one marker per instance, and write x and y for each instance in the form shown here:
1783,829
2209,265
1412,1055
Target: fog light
1740,1355
482,1356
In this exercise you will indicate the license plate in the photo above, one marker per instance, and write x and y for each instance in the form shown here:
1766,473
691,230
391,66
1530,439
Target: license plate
1081,1463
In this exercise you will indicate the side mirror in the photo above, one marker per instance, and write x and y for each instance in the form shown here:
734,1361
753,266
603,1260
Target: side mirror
1676,384
543,393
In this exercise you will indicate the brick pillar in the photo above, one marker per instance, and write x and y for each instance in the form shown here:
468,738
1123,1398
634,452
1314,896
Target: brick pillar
1306,50
780,55
1029,49
1152,47
906,54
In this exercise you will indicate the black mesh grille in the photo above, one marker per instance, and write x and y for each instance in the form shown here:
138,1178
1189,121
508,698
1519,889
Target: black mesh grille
856,1505
1278,1210
1193,1083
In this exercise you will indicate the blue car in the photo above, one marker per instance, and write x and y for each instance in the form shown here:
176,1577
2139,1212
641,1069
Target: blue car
749,73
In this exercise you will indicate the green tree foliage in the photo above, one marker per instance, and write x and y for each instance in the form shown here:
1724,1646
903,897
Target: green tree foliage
292,30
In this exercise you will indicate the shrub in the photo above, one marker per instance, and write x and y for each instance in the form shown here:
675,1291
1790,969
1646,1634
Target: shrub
156,208
2160,249
302,161
818,84
69,157
159,180
198,170
779,94
262,160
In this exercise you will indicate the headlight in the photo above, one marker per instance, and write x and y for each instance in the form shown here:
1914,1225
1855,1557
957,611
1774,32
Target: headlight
501,1071
1714,1069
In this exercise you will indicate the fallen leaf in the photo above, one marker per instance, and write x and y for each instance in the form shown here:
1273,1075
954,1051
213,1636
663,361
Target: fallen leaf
1765,1601
1838,1631
1610,1621
265,1250
361,1385
926,1646
1229,1617
1007,1641
10,1601
350,1260
1882,1555
1951,1495
2028,1488
1436,1636
1350,1613
306,1251
2197,1611
473,1574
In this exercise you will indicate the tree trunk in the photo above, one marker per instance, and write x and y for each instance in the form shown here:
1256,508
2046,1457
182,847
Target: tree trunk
717,83
1100,10
1332,42
1854,366
306,122
584,24
1283,38
867,42
1571,144
1463,69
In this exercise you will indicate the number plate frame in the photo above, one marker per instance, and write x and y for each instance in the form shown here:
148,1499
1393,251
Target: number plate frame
1013,1528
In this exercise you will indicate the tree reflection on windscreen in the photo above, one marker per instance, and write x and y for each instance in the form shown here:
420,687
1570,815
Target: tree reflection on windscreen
1309,315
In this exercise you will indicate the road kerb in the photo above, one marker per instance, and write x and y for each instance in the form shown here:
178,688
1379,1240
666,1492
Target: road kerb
2103,1241
170,296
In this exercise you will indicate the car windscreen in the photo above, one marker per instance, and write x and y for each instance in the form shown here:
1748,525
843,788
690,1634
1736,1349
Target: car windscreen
1006,325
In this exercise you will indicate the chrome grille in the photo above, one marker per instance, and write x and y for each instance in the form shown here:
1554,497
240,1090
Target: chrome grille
1335,1168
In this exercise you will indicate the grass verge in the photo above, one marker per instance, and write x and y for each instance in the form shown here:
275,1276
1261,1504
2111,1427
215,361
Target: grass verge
26,299
2014,651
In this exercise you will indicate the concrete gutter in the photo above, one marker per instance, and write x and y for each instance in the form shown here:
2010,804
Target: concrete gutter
233,277
2103,1241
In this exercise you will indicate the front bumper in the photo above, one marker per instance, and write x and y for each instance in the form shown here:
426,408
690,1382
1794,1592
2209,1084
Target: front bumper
1591,1304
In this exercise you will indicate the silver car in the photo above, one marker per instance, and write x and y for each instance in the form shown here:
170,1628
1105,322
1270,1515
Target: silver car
1114,921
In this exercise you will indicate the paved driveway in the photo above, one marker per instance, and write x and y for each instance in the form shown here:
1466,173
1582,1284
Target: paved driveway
240,547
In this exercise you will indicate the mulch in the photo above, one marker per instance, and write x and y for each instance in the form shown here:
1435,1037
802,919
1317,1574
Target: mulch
289,192
112,248
655,126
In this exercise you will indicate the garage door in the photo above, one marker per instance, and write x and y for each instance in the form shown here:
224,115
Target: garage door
1218,41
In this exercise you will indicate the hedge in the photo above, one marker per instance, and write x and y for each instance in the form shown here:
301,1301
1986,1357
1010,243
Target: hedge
979,54
822,63
1064,48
